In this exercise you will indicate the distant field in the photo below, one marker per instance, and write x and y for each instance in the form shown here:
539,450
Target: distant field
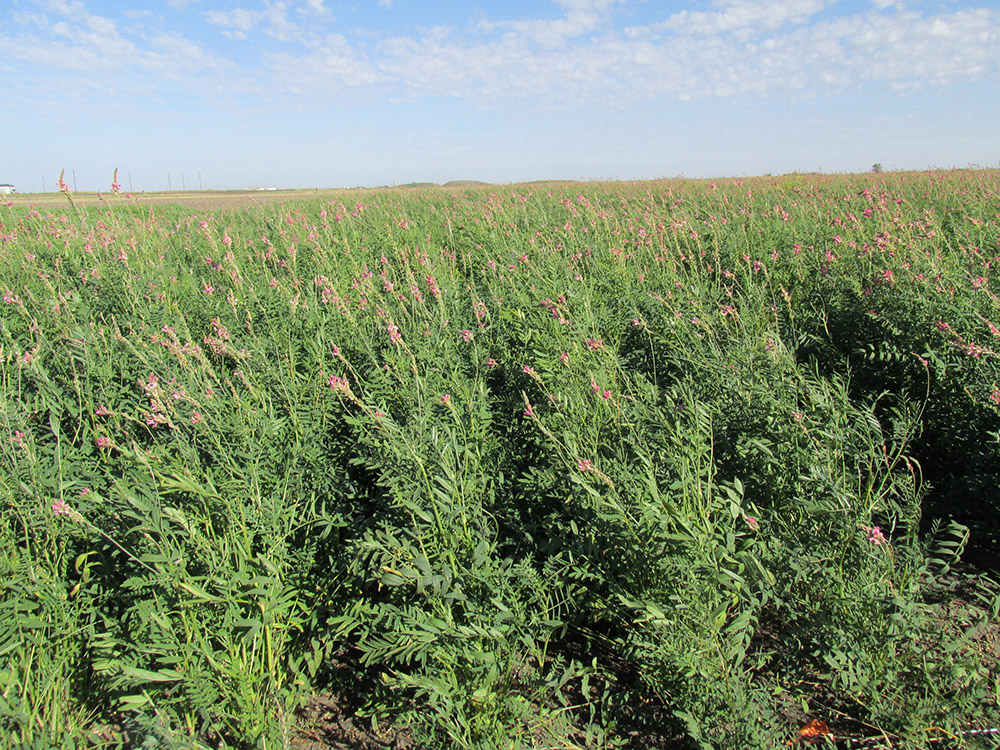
208,200
201,199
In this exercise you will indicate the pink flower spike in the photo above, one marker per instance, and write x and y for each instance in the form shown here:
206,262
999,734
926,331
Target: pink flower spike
875,535
103,442
584,465
445,398
752,523
60,508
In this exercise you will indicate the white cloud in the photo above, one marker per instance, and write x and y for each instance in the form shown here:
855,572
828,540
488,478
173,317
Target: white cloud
742,48
173,57
581,17
733,48
737,15
330,67
236,23
272,19
317,9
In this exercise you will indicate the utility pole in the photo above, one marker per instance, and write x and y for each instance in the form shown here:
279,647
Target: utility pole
74,181
199,181
183,186
130,183
169,187
43,182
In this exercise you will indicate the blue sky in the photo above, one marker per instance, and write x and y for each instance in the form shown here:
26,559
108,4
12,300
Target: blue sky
229,94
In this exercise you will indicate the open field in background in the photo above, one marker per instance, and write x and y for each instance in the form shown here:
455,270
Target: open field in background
683,463
208,200
203,200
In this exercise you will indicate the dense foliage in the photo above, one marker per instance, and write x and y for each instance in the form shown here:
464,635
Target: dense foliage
556,465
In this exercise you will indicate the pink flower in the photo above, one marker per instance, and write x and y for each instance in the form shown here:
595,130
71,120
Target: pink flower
491,363
394,335
60,508
467,335
752,523
875,535
445,398
593,344
584,465
196,418
973,349
103,442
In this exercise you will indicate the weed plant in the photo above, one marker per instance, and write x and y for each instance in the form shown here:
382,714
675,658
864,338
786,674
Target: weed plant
536,466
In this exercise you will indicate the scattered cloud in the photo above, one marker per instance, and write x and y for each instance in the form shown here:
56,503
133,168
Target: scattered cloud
747,16
331,66
316,8
236,23
581,17
582,56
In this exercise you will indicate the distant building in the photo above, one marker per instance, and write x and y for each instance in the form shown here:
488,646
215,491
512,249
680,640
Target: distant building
6,189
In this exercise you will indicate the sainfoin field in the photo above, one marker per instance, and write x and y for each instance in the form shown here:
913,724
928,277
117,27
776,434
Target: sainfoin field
669,464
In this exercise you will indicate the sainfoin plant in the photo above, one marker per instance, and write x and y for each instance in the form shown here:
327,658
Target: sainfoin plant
677,463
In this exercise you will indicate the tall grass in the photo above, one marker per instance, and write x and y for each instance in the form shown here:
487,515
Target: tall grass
535,465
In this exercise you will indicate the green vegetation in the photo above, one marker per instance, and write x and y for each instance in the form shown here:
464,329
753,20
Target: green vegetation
666,464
